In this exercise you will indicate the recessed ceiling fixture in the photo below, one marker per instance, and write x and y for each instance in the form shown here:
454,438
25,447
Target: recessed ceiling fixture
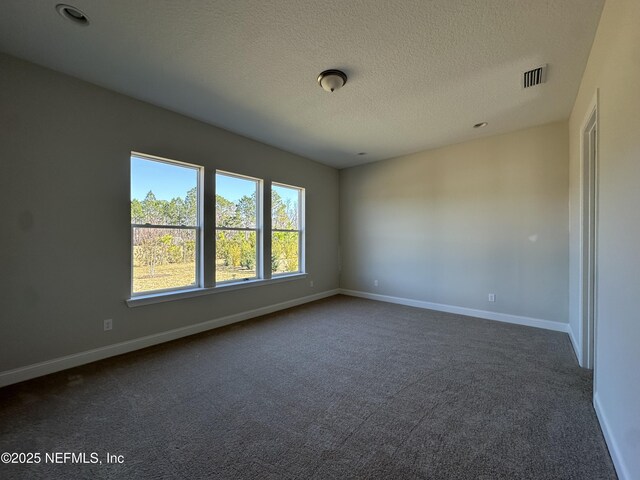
332,80
480,125
72,14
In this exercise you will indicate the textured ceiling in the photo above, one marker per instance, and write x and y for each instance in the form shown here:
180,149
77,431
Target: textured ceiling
421,73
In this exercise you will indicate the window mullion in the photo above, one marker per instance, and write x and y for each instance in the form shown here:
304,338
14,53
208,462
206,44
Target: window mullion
208,235
266,230
238,229
168,227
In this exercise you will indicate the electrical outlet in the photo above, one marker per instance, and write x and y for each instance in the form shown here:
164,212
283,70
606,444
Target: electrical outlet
375,283
311,283
492,297
108,324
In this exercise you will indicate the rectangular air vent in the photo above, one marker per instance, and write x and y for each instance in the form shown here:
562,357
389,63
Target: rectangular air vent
534,77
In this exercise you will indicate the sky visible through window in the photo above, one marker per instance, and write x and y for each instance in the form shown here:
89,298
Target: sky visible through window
171,181
165,181
287,194
233,188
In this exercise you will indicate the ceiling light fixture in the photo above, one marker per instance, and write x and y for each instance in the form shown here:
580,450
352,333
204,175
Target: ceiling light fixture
72,14
332,80
480,125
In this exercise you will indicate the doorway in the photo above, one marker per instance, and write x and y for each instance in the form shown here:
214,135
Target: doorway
588,235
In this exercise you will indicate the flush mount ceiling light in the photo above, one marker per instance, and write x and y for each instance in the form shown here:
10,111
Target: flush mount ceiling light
480,125
72,14
332,80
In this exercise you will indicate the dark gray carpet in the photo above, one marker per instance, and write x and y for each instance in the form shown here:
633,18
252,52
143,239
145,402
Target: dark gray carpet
340,388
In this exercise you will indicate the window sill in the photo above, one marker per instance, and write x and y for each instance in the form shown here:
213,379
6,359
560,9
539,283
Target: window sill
198,292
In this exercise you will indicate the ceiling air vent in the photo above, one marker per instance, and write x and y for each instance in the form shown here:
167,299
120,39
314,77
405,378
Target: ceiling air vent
534,77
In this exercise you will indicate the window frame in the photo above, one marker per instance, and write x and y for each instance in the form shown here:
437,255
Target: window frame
198,278
205,237
259,229
300,230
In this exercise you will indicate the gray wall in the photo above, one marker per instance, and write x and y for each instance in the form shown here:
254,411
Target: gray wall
614,69
64,191
451,225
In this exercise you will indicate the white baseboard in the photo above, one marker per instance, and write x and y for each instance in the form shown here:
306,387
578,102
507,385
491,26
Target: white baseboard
612,444
20,374
471,312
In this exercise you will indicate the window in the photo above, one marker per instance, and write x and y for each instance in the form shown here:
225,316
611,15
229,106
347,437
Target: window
287,229
177,249
238,222
165,225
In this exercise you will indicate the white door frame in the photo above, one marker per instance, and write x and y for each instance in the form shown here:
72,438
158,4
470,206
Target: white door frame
588,234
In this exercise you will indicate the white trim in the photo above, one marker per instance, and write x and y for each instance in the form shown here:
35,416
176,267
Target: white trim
586,332
471,312
612,444
62,363
156,158
576,346
171,295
